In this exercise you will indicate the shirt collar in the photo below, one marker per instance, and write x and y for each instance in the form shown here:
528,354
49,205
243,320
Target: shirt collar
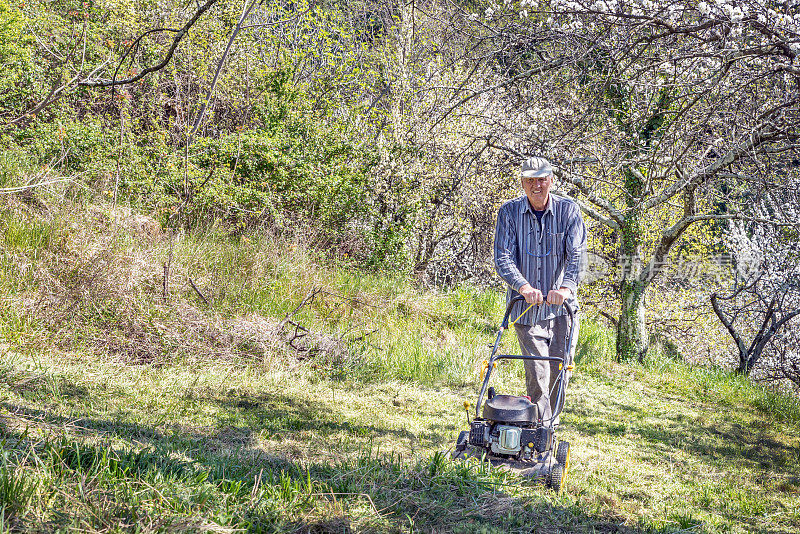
529,209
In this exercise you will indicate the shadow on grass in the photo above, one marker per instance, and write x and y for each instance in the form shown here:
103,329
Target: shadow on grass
726,442
261,492
748,448
39,385
723,445
282,413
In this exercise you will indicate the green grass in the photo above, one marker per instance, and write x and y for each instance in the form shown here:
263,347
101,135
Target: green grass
132,414
179,445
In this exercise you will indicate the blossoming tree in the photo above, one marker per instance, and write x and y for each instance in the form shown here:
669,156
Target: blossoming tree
764,297
660,115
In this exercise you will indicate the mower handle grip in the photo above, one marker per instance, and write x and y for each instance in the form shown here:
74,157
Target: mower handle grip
518,298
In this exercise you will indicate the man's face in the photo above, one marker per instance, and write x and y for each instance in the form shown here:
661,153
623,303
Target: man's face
537,189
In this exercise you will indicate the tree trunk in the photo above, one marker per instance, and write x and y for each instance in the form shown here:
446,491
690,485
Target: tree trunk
401,78
745,365
743,368
768,328
632,339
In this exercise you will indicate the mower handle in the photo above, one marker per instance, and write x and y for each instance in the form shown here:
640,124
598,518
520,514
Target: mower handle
518,298
494,357
503,325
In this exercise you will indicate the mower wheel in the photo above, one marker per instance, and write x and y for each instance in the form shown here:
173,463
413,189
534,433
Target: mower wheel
562,455
556,478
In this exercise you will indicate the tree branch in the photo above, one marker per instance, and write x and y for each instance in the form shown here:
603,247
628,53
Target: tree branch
729,326
530,72
245,13
176,40
578,182
671,234
590,211
745,147
55,94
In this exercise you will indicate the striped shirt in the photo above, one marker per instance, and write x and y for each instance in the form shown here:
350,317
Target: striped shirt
548,255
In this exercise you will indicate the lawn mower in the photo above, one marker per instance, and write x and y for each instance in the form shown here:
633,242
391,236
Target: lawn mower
509,433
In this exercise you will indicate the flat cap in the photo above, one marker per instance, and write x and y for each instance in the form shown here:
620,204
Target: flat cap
535,167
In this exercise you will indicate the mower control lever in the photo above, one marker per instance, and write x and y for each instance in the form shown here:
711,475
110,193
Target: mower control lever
520,298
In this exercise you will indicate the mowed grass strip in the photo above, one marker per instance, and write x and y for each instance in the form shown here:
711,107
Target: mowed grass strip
240,447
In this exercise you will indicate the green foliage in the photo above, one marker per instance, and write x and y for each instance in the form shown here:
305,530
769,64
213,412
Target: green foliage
387,242
64,146
18,71
244,178
304,169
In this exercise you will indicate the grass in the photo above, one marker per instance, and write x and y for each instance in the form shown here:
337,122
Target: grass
121,411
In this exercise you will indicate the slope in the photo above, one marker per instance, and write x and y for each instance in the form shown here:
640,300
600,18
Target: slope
152,381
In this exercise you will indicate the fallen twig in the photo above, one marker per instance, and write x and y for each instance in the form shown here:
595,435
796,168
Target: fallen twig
362,336
167,265
10,190
308,299
199,294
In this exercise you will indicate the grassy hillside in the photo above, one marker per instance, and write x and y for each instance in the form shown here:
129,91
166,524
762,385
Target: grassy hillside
131,405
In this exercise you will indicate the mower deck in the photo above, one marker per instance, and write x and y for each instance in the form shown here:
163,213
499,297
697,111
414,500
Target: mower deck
539,470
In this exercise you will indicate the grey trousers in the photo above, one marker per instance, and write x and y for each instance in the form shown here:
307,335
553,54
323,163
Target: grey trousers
546,338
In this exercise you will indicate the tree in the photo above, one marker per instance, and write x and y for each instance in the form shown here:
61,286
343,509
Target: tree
764,296
660,115
784,349
75,61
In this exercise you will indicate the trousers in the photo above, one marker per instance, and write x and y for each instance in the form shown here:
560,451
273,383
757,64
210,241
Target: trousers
547,338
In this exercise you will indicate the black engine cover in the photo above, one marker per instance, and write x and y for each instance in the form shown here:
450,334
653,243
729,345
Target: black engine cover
510,409
541,438
478,432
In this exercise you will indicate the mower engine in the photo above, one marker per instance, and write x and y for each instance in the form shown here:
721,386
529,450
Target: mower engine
509,440
510,428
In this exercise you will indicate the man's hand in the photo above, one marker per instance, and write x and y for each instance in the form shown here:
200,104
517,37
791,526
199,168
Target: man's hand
557,296
531,294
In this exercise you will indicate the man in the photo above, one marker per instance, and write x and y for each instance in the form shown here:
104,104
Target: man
540,252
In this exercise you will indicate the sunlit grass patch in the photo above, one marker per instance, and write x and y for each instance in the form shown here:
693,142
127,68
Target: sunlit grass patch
25,235
217,466
720,386
596,343
374,452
